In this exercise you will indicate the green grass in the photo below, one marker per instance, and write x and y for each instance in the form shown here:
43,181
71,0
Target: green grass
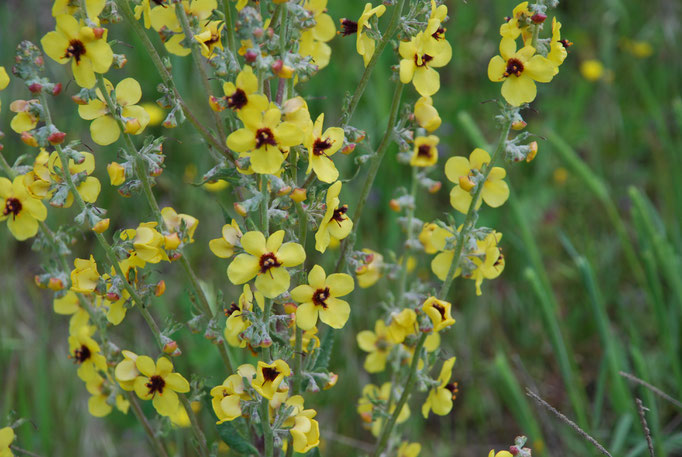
591,285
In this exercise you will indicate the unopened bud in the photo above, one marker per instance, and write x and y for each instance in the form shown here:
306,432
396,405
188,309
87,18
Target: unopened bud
132,125
101,226
466,183
277,66
286,190
98,32
117,174
55,284
435,187
519,125
170,347
299,195
39,61
213,102
258,32
175,256
240,209
156,171
347,149
266,343
361,136
250,56
79,100
36,279
394,205
35,88
333,378
172,241
57,89
29,139
533,151
538,18
290,308
56,138
160,288
112,296
514,450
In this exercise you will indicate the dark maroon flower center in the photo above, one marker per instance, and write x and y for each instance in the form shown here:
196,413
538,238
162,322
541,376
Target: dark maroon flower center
340,214
231,310
12,206
348,27
438,34
321,145
76,49
514,67
425,60
320,297
82,354
270,374
159,2
265,136
237,100
453,387
424,151
268,261
566,44
156,384
440,309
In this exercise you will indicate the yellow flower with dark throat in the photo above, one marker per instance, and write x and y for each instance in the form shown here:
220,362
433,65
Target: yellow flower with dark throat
20,209
518,23
319,298
158,382
335,223
243,93
321,146
228,397
86,353
85,47
440,398
518,70
269,376
420,56
425,151
465,174
210,38
439,313
266,261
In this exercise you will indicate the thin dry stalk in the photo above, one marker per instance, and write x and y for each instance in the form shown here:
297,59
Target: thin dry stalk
655,390
568,421
645,427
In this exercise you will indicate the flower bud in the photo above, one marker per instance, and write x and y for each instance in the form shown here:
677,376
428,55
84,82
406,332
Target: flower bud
240,209
98,32
156,171
160,288
117,174
466,183
538,18
112,296
250,56
132,125
258,32
347,149
519,125
394,205
79,100
56,138
101,226
29,139
57,89
435,187
299,195
514,450
286,190
333,378
533,151
55,284
172,241
170,347
35,88
290,308
266,343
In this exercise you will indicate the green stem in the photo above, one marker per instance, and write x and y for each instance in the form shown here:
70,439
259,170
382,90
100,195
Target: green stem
265,223
373,170
268,437
364,80
410,232
156,443
267,353
283,30
227,9
409,384
196,428
167,78
470,218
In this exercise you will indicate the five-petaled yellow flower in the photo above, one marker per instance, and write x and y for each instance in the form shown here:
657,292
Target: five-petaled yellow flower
20,209
440,397
228,397
86,353
321,146
466,173
335,223
364,43
378,344
158,382
420,56
85,47
266,261
224,247
425,151
269,376
518,70
320,298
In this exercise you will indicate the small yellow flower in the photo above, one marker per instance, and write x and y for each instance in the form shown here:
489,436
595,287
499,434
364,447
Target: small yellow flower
364,44
26,118
117,173
321,146
558,47
163,17
309,341
378,344
335,223
269,377
148,243
228,396
264,139
224,247
86,48
209,38
518,70
463,173
97,403
175,223
518,23
20,209
420,56
126,371
591,69
425,151
639,49
439,313
93,7
6,439
320,298
371,396
426,115
440,398
433,237
370,271
4,80
409,449
104,128
84,277
236,323
313,40
156,114
499,454
402,324
86,353
243,93
88,186
266,261
305,432
158,383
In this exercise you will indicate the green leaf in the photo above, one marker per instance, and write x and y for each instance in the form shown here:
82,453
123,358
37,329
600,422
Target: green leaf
232,438
325,353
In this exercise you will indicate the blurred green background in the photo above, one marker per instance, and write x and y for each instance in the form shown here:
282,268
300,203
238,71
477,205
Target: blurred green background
592,283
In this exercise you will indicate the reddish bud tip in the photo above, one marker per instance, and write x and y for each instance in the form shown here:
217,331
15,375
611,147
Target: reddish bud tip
57,89
112,296
35,88
250,56
98,32
514,450
538,18
56,138
170,347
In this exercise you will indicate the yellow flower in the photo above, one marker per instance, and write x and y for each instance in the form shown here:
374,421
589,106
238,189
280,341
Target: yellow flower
266,261
433,237
145,9
489,261
440,398
558,47
591,69
85,276
236,323
518,23
88,186
499,454
126,371
86,48
104,128
97,404
117,173
269,377
93,7
465,175
148,243
409,449
425,151
264,138
370,271
439,313
175,223
313,40
320,298
27,115
243,93
224,247
420,56
519,70
309,341
378,344
209,38
20,209
4,80
296,110
321,146
156,114
371,397
228,396
402,324
86,353
335,224
639,49
6,438
364,44
426,115
305,432
163,17
159,384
